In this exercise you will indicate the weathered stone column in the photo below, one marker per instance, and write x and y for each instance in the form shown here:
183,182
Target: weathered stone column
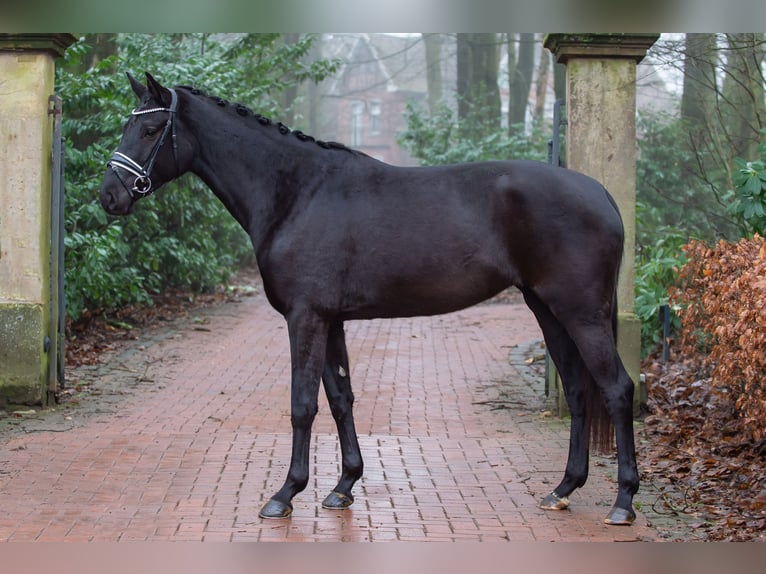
26,83
601,142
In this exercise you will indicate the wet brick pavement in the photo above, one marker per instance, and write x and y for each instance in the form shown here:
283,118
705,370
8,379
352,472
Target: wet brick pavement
456,439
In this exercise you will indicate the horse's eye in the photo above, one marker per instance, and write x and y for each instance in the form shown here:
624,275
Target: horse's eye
151,131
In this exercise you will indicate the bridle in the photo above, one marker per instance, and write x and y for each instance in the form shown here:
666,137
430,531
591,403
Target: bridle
142,184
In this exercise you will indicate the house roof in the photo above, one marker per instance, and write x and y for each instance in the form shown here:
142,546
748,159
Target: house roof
400,59
404,60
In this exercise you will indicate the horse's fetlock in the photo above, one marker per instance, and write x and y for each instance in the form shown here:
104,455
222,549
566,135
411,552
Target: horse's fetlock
353,469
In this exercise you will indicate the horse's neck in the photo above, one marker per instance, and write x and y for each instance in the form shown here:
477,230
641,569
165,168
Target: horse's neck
256,178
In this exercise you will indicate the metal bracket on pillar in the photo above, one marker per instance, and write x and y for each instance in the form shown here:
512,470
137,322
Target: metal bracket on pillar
58,310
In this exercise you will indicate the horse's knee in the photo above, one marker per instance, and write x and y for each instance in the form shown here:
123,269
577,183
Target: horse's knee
341,404
618,398
625,383
303,413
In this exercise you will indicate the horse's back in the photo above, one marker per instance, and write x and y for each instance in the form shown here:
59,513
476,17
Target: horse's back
528,217
507,188
390,241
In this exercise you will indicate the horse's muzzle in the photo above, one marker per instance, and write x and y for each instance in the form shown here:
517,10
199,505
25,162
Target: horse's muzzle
115,201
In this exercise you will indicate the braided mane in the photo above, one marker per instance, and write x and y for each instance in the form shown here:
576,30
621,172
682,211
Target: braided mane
245,112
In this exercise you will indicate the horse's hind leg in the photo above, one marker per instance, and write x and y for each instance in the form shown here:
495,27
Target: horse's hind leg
596,343
337,384
572,370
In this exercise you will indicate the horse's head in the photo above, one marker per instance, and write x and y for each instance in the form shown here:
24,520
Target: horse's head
152,152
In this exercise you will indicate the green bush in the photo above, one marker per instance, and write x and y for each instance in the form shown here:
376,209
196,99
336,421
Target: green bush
660,255
749,205
676,186
99,271
441,139
675,201
657,268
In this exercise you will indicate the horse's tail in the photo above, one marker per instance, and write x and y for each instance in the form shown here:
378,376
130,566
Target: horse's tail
599,423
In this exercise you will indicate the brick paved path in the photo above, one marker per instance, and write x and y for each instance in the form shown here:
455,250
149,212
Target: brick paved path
455,440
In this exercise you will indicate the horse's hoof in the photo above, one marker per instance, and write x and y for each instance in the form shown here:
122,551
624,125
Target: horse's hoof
620,517
554,502
337,501
275,509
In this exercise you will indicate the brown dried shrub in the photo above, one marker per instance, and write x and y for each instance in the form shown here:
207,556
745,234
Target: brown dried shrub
722,300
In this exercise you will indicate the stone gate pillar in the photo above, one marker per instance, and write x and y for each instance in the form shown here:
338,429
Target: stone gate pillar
26,83
601,142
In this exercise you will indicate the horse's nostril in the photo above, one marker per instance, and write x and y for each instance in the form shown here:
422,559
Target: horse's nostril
108,200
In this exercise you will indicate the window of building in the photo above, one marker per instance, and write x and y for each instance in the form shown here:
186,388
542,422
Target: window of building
357,111
375,117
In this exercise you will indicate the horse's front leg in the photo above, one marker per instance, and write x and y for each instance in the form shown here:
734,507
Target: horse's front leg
308,340
337,384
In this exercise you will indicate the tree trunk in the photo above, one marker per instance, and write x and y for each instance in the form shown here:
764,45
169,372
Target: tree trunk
510,46
288,95
742,107
463,75
433,70
521,81
478,92
699,88
104,45
486,55
541,89
101,47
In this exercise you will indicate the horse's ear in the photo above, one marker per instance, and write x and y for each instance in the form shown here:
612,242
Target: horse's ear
137,86
158,92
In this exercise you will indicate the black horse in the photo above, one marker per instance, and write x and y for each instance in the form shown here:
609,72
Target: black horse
339,236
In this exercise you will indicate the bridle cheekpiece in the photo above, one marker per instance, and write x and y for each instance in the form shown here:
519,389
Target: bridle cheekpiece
142,184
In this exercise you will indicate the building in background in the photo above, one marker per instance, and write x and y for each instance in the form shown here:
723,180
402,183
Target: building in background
363,105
